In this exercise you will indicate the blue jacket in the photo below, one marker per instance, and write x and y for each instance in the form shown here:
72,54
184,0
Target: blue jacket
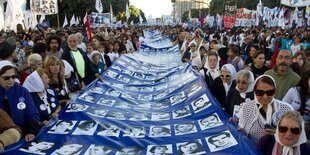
52,100
23,110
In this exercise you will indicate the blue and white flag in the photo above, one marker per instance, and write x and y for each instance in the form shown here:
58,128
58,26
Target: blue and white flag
149,100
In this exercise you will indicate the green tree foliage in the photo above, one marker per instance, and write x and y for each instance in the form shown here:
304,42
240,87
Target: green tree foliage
79,8
196,13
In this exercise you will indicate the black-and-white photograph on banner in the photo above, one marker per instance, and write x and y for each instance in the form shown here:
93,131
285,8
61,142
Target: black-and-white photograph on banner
160,105
139,75
221,141
145,97
180,113
201,103
135,131
210,122
123,78
139,116
194,147
178,98
159,149
106,102
76,107
44,7
99,19
69,149
123,105
194,89
131,150
99,150
118,115
160,116
86,127
113,92
111,74
143,106
87,97
185,128
109,130
38,147
98,90
160,131
62,127
97,111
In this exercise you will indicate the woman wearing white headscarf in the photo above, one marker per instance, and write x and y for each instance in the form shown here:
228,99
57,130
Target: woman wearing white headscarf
289,139
221,85
260,116
211,69
16,101
45,98
241,93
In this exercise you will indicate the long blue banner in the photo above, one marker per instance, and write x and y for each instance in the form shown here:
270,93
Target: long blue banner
149,103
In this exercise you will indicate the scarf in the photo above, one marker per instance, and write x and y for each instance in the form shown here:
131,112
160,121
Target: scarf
34,83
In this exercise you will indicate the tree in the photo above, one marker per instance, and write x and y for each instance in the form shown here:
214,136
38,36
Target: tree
196,13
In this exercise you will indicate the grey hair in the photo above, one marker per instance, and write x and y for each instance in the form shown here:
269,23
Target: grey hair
33,59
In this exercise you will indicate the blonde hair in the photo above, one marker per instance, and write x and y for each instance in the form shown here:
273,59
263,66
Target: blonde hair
54,60
294,115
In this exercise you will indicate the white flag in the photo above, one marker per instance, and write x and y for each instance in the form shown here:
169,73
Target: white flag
307,15
140,19
14,13
99,6
84,19
72,21
1,18
127,11
295,16
65,21
42,18
77,21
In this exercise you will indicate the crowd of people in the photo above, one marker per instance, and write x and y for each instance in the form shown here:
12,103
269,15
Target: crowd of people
260,81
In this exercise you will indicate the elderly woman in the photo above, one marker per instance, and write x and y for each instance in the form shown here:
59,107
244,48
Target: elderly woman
260,116
54,68
45,98
16,101
34,61
210,70
221,85
241,93
289,139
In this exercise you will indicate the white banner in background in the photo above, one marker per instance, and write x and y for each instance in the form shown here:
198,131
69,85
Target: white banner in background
245,17
44,7
99,19
295,3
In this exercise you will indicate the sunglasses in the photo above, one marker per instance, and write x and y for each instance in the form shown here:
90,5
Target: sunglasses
9,77
225,76
262,92
284,129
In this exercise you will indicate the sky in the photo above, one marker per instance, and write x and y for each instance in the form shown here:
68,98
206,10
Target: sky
156,8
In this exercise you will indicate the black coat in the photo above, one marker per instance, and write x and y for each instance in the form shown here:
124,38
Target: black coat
218,90
90,69
233,98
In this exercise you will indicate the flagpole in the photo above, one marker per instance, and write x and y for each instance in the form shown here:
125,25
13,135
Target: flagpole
58,22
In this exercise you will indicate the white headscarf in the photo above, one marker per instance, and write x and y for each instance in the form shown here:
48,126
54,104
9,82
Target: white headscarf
289,150
34,83
68,67
92,54
269,109
250,81
5,63
231,69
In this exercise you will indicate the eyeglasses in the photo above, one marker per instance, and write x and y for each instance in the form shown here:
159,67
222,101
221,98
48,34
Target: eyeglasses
241,82
284,129
9,77
262,92
227,76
